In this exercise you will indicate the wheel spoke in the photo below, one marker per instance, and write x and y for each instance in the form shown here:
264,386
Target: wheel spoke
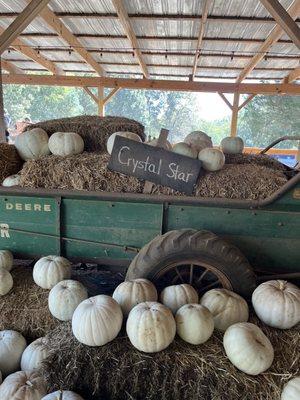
211,285
201,276
191,273
178,273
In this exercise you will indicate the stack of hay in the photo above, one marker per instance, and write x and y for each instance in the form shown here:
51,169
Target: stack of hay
10,162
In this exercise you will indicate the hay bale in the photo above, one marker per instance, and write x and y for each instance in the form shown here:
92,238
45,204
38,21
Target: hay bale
117,371
93,129
87,171
25,307
10,162
255,159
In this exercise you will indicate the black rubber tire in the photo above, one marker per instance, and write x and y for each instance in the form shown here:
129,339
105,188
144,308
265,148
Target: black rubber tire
205,246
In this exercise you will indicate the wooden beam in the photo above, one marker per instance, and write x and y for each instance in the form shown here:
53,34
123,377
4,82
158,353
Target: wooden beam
10,67
154,84
125,21
111,94
234,116
21,22
101,106
205,10
273,37
293,76
91,94
2,122
248,99
226,101
283,19
52,20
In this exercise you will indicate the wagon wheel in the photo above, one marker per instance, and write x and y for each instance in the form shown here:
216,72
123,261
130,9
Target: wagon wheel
197,257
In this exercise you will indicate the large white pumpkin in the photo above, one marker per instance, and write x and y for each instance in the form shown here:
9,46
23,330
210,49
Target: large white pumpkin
64,298
128,135
291,390
34,354
198,140
151,327
194,323
62,395
50,270
176,296
66,143
6,282
130,293
185,150
232,145
32,144
167,145
12,180
97,320
227,307
277,304
23,386
12,345
212,159
248,348
6,259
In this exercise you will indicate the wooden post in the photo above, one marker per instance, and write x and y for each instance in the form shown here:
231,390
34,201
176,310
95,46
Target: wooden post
101,106
234,116
2,123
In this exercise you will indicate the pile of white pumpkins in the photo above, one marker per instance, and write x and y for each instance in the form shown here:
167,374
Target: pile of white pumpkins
151,325
196,144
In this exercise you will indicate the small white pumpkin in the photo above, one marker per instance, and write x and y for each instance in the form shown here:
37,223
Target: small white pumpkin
291,390
97,320
32,144
194,323
277,303
176,296
198,140
128,135
66,144
6,281
130,293
12,180
63,395
64,298
227,307
232,145
50,270
6,259
12,345
167,145
23,386
185,150
212,159
150,327
34,355
248,348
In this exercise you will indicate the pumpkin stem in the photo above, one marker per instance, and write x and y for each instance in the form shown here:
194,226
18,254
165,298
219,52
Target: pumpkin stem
28,383
282,285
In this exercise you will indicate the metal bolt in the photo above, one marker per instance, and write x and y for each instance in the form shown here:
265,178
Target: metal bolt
280,223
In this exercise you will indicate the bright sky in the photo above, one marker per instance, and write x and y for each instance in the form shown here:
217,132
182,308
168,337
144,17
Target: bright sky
212,107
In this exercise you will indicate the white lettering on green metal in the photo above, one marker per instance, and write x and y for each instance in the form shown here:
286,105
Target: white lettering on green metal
28,207
4,231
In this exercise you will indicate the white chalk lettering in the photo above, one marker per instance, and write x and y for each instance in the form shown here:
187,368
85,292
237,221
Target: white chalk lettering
177,174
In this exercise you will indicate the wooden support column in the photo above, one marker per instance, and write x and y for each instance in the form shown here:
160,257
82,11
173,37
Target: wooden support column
2,123
234,116
101,106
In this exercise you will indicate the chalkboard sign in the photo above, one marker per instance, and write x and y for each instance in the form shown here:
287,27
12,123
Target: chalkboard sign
154,164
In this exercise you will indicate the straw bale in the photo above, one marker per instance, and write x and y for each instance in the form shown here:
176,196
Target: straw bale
10,162
255,159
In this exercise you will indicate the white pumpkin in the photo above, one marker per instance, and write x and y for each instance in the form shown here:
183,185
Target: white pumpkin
32,144
248,348
50,270
12,345
66,143
97,320
185,150
176,296
227,307
291,390
62,395
6,259
34,354
167,145
198,140
232,145
194,323
130,293
150,327
128,135
12,180
212,159
65,297
277,303
23,386
6,281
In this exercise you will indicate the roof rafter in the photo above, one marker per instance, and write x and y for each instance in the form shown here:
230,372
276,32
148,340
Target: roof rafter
293,76
125,21
10,67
